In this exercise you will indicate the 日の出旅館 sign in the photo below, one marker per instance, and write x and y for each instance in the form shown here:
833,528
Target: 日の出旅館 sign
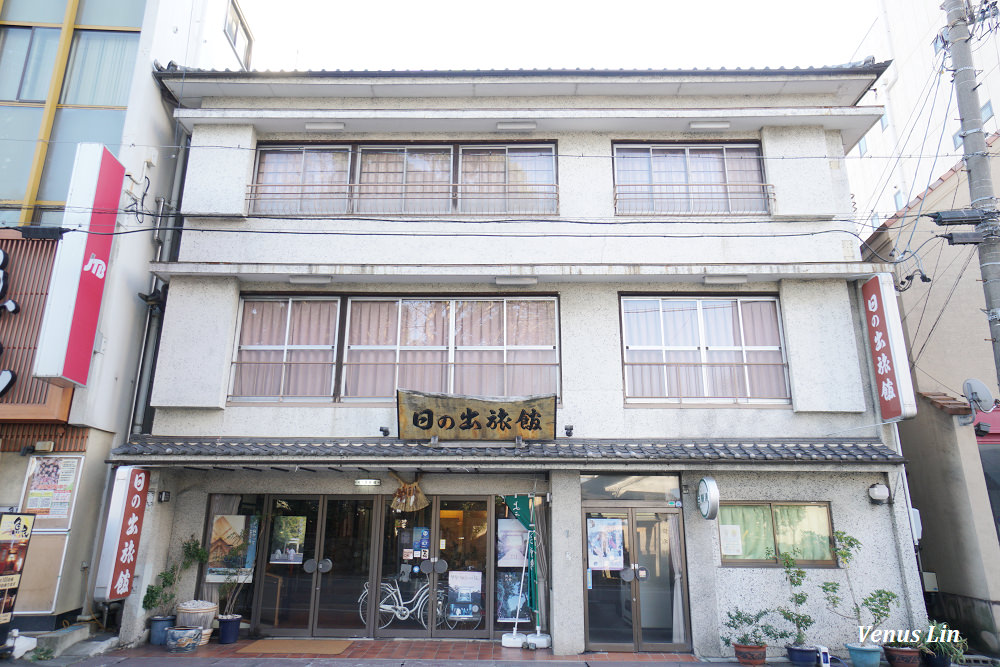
126,510
425,415
885,342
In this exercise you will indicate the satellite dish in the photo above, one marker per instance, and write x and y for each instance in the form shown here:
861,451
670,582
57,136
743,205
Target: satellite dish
979,396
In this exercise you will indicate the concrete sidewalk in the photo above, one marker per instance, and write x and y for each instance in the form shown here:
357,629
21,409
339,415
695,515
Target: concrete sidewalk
119,660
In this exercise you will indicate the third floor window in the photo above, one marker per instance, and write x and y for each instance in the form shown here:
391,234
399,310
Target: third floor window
671,179
405,180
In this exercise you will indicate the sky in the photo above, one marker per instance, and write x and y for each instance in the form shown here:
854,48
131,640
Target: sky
528,34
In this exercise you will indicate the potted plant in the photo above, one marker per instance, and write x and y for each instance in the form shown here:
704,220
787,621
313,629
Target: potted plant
238,574
159,599
799,653
749,635
942,646
878,603
901,653
195,613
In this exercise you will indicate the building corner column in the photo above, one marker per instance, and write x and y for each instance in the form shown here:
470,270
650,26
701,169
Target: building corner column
567,620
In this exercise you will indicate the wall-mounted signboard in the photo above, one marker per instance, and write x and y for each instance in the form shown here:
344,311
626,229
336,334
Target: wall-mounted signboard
425,415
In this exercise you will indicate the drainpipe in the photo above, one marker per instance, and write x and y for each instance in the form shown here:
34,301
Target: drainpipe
164,241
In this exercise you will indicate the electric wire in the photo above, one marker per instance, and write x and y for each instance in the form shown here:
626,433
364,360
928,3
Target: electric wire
944,307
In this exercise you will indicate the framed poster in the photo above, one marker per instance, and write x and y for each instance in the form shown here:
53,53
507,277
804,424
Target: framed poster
226,555
512,597
50,490
512,543
605,544
465,595
15,533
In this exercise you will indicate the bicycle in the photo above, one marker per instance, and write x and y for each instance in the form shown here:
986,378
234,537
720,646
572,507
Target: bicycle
392,605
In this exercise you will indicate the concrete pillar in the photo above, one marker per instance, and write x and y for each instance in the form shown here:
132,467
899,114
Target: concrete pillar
567,564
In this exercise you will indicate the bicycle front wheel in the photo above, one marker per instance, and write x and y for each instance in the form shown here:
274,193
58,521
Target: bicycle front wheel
386,609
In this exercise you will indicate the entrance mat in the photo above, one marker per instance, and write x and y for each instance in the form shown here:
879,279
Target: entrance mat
313,646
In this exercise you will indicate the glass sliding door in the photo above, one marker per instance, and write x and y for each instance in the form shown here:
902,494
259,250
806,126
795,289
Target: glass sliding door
289,570
463,545
344,565
635,580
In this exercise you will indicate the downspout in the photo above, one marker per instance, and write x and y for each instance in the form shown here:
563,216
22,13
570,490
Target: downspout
164,241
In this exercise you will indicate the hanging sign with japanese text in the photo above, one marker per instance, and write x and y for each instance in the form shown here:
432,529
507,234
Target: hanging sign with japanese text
885,343
15,533
425,415
121,538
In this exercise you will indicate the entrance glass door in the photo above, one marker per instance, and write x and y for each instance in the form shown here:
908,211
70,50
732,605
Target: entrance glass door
434,575
290,566
635,580
344,566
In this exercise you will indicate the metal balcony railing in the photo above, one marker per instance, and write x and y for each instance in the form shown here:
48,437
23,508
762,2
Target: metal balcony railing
694,199
403,199
290,380
698,382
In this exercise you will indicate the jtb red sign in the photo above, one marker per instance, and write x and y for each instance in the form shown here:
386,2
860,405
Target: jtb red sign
885,342
128,539
69,327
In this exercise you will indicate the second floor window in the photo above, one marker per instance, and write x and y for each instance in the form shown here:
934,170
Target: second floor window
697,179
405,180
475,347
704,350
287,348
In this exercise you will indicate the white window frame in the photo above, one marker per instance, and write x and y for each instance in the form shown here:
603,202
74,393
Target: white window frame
299,197
687,147
235,19
703,349
285,348
359,195
506,176
450,347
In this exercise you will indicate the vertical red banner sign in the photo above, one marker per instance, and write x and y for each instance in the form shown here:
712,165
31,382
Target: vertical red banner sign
128,538
892,374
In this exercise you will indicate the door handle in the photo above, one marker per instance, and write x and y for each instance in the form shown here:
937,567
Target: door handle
325,565
309,566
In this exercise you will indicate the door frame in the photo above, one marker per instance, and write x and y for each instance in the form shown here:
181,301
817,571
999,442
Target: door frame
433,631
630,508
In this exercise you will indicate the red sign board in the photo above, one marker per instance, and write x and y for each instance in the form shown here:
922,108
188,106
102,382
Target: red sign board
128,537
893,384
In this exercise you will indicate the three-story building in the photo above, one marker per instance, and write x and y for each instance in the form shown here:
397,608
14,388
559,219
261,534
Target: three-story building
668,254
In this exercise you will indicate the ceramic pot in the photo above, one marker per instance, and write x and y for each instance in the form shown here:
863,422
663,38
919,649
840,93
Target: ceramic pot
158,629
934,660
801,656
183,640
229,629
750,655
899,656
198,613
865,655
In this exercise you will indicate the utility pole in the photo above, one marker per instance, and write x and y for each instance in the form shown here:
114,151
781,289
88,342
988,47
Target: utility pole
977,163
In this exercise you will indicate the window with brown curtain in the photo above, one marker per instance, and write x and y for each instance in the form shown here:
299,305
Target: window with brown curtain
477,347
704,349
287,349
760,533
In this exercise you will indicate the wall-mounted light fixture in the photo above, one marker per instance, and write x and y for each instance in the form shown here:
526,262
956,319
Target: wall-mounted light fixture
709,125
163,496
516,281
367,482
44,445
516,125
569,430
384,430
878,494
325,125
310,280
725,280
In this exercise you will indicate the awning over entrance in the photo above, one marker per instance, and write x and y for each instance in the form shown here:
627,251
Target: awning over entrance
566,453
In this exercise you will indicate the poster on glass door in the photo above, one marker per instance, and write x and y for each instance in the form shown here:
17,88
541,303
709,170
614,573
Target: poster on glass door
465,595
288,536
605,544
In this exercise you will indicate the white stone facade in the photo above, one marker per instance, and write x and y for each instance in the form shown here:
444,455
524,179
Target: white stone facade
799,252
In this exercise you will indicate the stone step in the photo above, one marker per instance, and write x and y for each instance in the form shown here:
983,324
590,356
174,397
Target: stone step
96,645
58,641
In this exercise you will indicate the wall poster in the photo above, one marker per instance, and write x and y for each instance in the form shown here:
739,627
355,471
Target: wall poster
605,544
227,535
50,486
512,597
512,543
15,532
465,595
288,535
